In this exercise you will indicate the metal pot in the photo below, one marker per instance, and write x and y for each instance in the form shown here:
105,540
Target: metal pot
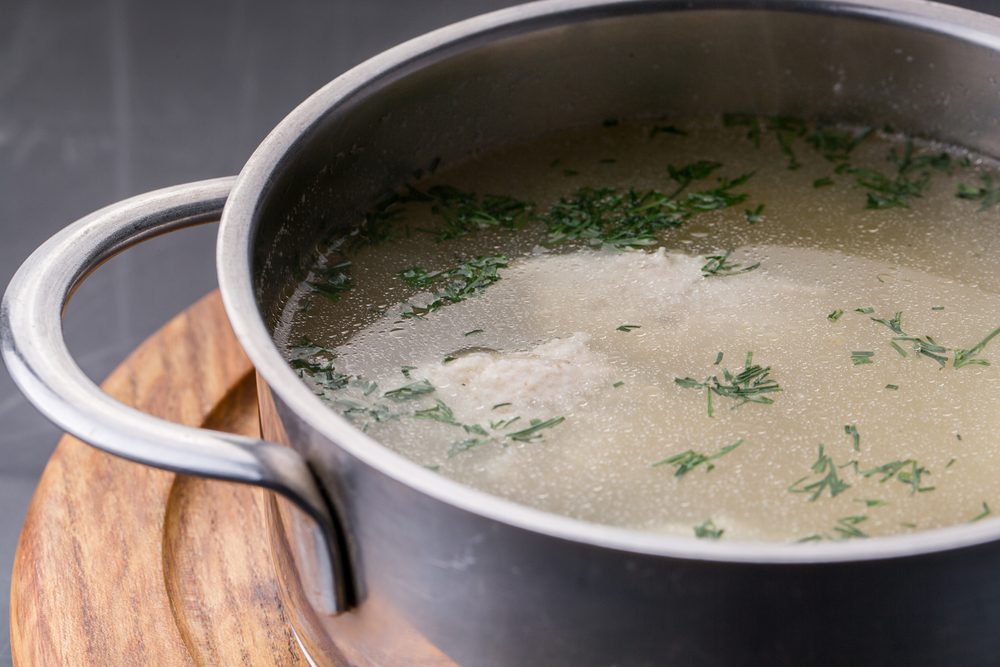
403,566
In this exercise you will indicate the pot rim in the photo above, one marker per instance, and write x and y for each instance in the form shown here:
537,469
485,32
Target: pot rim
234,261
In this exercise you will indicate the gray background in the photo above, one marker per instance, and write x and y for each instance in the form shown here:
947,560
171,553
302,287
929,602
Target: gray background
106,99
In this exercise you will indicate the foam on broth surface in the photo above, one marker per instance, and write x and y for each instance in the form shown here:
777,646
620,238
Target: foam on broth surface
589,341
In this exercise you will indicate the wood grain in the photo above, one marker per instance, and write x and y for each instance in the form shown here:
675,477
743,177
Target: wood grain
120,564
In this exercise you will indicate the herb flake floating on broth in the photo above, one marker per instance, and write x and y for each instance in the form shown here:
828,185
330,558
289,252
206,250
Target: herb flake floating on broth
545,252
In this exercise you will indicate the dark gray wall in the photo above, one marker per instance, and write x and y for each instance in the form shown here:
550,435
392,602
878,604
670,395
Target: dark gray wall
104,99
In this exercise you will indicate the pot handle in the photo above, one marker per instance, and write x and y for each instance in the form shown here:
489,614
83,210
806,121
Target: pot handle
33,347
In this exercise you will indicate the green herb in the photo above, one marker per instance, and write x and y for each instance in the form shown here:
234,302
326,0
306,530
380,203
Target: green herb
835,315
744,120
829,481
786,130
316,363
869,502
892,387
864,311
531,433
440,412
708,530
958,436
836,145
937,307
950,462
418,277
911,179
409,391
608,216
967,357
862,357
667,129
689,173
618,384
848,526
466,445
687,461
627,327
718,359
826,181
928,347
987,194
754,215
895,324
982,515
433,467
405,370
749,386
907,472
852,431
464,212
501,424
457,284
500,405
474,332
333,281
718,266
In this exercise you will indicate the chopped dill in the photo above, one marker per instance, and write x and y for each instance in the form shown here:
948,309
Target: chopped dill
474,332
688,460
982,515
454,285
852,430
829,481
864,311
871,502
744,120
689,173
896,347
907,472
618,384
950,462
892,387
862,357
333,281
987,194
835,315
937,307
719,265
754,215
440,412
667,129
627,327
748,386
465,212
532,432
708,530
409,391
718,359
824,182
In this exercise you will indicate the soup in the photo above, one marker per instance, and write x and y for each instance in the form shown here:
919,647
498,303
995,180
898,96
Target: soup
738,328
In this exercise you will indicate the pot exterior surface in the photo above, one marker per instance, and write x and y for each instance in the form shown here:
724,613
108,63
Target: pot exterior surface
483,582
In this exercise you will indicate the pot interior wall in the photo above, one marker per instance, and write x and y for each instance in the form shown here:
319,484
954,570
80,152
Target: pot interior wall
533,77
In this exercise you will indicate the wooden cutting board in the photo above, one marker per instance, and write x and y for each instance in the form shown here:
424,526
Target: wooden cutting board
120,564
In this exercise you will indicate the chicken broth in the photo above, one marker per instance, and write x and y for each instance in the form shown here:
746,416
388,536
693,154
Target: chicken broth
746,328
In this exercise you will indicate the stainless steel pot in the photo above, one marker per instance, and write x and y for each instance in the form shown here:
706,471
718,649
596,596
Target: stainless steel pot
406,567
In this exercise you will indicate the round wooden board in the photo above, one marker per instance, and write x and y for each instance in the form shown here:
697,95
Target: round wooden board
120,564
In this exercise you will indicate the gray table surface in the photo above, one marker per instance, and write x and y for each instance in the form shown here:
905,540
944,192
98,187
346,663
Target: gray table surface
106,99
